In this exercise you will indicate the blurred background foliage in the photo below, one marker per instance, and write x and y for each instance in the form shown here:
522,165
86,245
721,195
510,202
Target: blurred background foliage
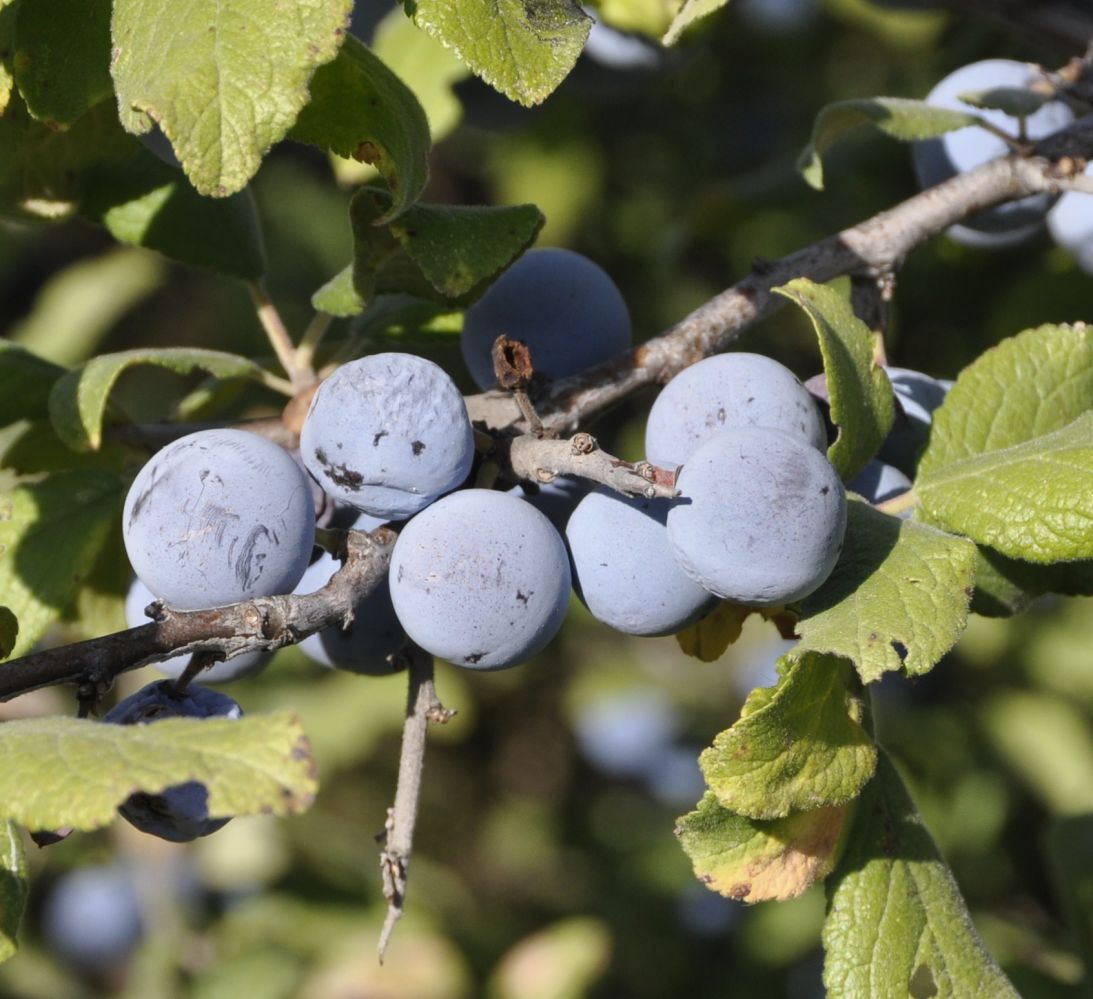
545,865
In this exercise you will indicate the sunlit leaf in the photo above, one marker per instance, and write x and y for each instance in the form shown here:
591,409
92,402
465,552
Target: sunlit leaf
78,401
523,48
757,860
58,771
896,922
802,749
898,598
50,535
858,389
223,81
13,887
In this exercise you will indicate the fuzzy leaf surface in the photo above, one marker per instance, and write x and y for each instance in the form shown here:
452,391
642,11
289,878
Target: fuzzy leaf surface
25,383
898,598
898,117
145,202
62,57
78,401
13,887
896,923
802,749
859,391
755,860
1031,501
1027,386
432,251
50,534
59,771
359,108
224,81
523,48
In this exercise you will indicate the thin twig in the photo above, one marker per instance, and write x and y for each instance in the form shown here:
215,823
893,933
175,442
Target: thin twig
533,459
276,332
309,342
422,707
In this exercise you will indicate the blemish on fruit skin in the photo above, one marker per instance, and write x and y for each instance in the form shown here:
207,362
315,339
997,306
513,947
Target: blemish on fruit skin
417,447
376,438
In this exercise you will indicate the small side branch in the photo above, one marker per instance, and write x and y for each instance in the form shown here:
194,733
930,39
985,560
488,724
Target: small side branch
265,623
278,336
541,461
422,707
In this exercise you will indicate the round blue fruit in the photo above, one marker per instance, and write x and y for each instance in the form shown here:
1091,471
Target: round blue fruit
388,434
623,569
726,391
760,517
563,306
216,517
480,579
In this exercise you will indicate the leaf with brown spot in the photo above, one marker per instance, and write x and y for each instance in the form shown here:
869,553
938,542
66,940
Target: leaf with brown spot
756,860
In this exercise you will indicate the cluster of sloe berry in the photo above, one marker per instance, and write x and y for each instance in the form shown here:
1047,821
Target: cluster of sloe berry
482,577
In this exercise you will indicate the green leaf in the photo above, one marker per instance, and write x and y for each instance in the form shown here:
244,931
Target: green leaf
224,81
895,116
50,535
339,296
690,12
523,48
1029,385
42,169
13,887
62,57
1006,586
78,306
755,860
898,598
25,383
425,66
360,109
145,202
803,748
862,406
78,400
896,923
434,251
1032,501
57,772
1014,101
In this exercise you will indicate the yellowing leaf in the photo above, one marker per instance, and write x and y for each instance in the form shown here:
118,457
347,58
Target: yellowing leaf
756,860
707,640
